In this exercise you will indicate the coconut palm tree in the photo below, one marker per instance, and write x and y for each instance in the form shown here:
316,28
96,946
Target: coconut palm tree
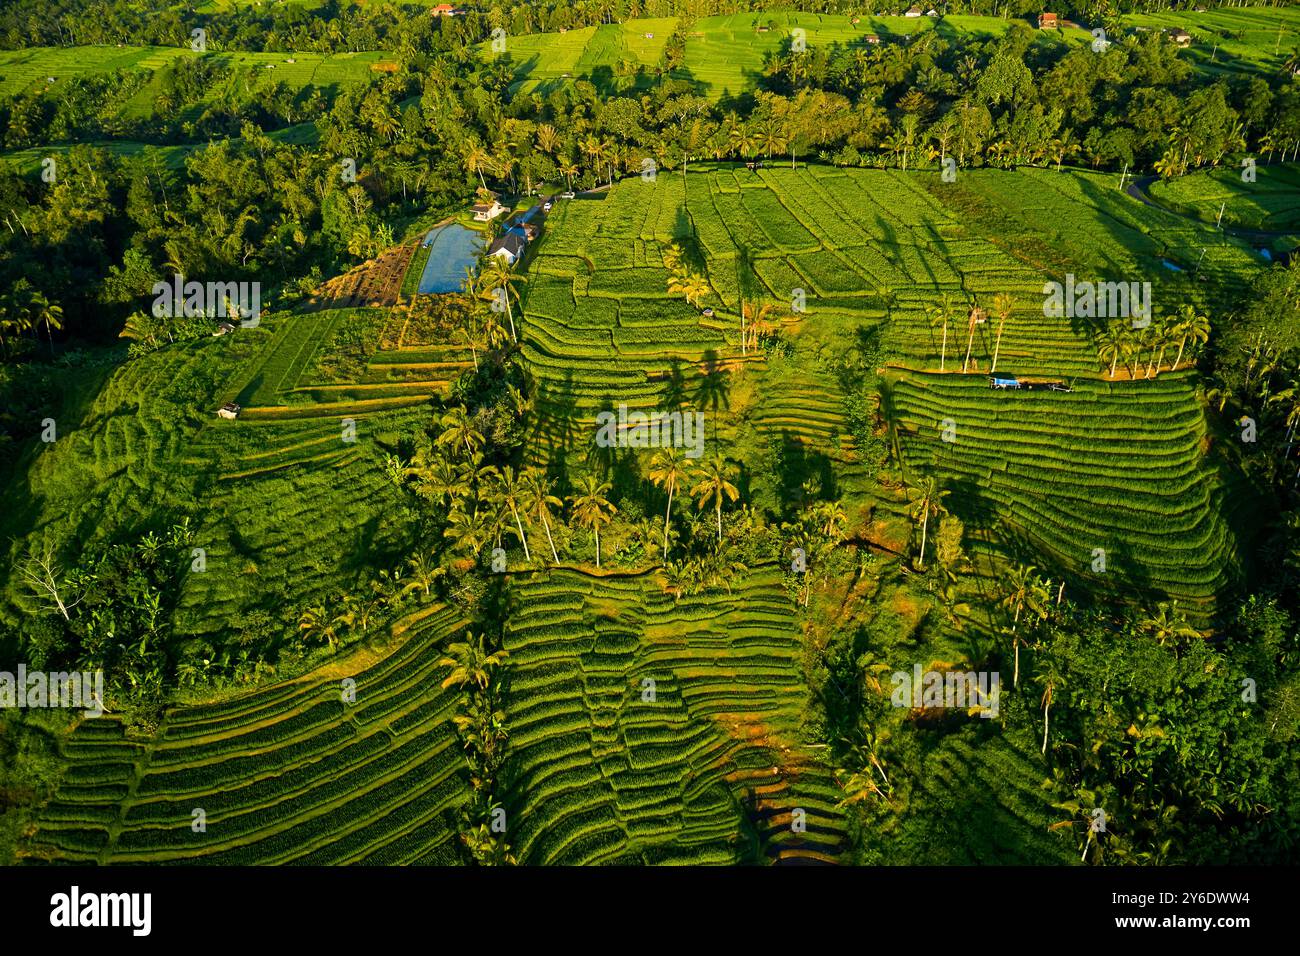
939,316
458,430
568,169
927,498
1051,679
476,159
1167,625
591,509
1112,346
669,470
975,318
690,286
46,313
424,572
438,480
595,150
1160,339
1192,326
715,485
758,321
539,501
468,528
831,520
671,255
1024,590
317,622
471,663
1004,305
501,279
511,492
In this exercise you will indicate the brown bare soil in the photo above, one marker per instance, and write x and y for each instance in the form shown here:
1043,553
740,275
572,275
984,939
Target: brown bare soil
373,284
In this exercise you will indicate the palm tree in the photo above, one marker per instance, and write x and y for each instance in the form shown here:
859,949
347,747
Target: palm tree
714,486
498,277
595,150
477,159
831,520
591,509
1024,590
469,339
568,169
975,318
690,286
757,317
468,529
669,470
1051,678
44,312
939,315
1167,625
928,500
471,663
1112,346
316,622
439,480
539,501
548,140
1192,326
1003,305
510,492
457,429
671,255
424,572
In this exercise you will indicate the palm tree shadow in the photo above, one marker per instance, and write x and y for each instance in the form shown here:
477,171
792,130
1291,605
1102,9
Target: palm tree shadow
714,386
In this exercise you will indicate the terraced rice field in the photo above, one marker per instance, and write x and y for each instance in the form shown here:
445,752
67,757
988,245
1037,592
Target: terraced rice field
1271,203
29,69
1124,468
286,774
544,60
281,501
709,771
724,54
1257,39
868,248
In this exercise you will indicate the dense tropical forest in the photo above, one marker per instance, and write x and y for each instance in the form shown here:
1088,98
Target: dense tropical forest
400,603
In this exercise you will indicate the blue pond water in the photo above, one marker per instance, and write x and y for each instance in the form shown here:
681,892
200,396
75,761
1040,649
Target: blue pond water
452,249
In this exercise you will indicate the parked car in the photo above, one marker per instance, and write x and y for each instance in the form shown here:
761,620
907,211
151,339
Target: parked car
567,195
546,206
